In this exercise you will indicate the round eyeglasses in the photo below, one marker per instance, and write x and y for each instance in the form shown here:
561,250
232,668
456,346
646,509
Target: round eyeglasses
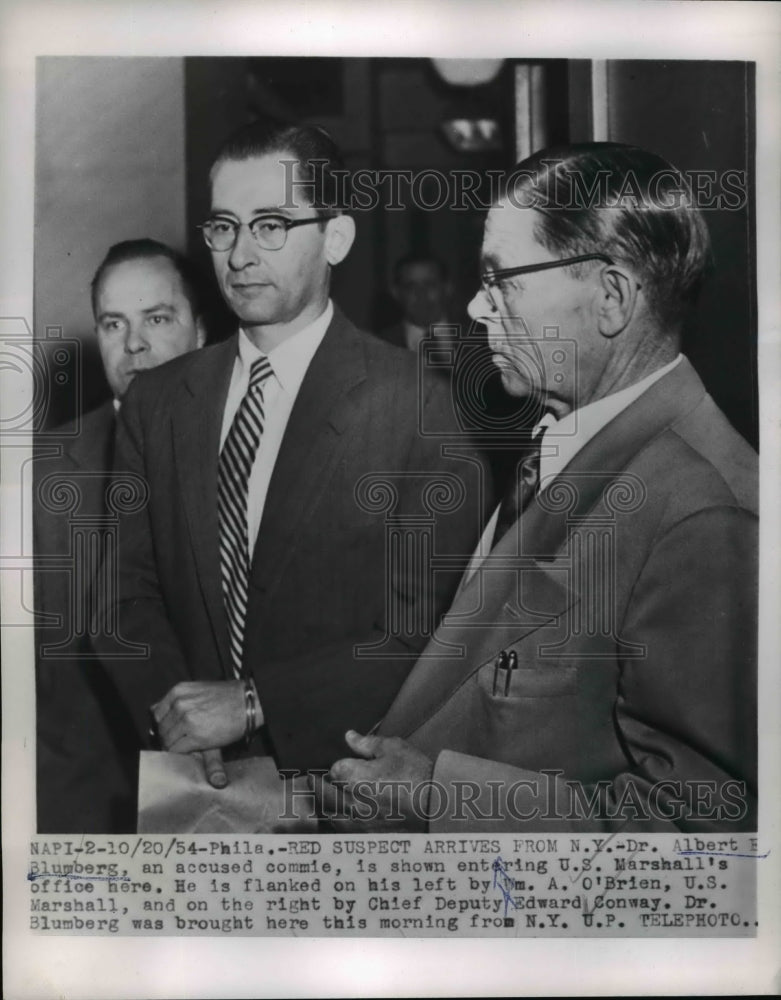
269,231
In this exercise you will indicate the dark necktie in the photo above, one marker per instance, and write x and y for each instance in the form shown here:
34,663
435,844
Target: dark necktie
236,460
525,481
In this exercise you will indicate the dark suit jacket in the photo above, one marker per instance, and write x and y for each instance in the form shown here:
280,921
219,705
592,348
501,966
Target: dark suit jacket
84,774
322,578
394,335
631,605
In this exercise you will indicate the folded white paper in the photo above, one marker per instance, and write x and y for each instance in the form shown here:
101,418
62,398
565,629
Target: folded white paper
175,797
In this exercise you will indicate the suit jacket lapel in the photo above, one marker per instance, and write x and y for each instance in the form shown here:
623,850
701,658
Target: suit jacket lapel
321,412
197,422
505,618
603,459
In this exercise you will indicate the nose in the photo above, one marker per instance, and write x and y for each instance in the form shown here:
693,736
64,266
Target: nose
135,339
482,310
481,307
245,250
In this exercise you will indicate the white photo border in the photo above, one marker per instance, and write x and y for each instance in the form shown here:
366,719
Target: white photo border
194,967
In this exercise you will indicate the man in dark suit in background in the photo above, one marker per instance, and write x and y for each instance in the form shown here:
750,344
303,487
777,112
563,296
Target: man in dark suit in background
602,664
263,576
146,307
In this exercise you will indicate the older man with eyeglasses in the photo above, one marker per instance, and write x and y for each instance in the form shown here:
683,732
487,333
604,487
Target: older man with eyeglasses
597,670
260,579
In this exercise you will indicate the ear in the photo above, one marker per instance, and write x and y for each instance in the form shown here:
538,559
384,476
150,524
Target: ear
200,333
339,236
617,300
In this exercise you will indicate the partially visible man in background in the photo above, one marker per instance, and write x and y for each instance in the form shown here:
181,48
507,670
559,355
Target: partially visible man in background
456,346
146,304
422,289
146,308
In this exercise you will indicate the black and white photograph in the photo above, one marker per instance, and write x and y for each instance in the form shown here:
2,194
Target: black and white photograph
390,471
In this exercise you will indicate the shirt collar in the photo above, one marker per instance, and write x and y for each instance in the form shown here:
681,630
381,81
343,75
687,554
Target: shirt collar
563,439
290,359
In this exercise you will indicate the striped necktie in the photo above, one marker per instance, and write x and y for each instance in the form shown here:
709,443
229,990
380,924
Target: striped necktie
236,460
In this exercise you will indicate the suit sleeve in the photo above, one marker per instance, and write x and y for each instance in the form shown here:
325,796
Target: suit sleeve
355,691
134,638
685,714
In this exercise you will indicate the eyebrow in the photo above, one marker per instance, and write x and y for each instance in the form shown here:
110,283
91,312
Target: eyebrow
273,210
159,307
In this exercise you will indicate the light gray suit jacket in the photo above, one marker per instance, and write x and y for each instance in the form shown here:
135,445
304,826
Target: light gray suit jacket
629,594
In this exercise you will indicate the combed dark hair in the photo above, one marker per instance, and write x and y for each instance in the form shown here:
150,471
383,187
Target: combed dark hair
419,257
321,169
624,202
146,249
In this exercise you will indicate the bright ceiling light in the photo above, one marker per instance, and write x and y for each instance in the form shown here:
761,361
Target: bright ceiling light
467,72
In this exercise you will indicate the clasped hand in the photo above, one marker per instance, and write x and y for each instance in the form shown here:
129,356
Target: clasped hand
202,716
386,786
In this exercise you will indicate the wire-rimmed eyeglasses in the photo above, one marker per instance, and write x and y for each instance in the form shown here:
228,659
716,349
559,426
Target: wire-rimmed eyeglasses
490,279
269,231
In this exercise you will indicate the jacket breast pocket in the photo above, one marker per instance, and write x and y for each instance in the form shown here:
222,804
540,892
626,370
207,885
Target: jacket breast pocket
526,716
533,681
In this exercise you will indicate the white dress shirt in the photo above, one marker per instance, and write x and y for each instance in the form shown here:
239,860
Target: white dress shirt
289,361
563,439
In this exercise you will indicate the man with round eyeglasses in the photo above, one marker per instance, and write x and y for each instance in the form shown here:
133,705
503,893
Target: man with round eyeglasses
607,626
259,577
